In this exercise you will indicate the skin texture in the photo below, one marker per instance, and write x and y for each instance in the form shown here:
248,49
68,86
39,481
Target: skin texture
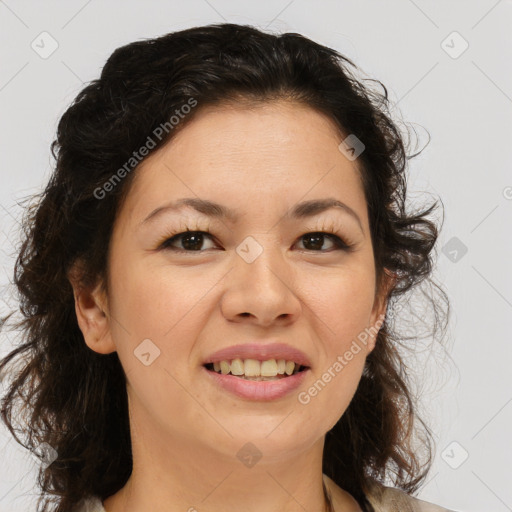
261,161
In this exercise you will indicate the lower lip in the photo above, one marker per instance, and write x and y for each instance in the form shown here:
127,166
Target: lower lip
258,390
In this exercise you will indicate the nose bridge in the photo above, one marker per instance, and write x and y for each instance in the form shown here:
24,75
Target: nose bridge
261,258
260,282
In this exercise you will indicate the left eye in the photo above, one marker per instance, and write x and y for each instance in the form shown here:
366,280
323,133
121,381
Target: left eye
193,240
318,237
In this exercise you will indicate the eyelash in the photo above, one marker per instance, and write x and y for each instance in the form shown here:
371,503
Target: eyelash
329,230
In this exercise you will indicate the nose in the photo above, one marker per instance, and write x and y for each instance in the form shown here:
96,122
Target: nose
261,292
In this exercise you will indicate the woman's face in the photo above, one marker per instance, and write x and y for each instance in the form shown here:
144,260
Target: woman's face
258,278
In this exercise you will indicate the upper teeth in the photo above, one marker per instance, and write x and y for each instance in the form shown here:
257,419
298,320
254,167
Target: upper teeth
255,368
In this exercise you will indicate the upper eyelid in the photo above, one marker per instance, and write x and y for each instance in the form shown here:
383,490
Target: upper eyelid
327,225
323,230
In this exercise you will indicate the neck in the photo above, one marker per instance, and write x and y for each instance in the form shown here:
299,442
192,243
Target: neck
176,473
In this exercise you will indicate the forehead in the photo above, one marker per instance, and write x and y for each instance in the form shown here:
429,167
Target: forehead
266,154
272,130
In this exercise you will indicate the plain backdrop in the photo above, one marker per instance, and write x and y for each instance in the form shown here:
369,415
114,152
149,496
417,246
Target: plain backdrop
447,68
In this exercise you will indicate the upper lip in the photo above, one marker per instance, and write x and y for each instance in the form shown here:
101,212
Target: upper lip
259,351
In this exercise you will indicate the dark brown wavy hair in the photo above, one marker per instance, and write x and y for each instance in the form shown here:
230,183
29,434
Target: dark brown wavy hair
76,398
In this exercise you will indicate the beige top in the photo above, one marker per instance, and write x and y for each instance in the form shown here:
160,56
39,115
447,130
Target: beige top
383,499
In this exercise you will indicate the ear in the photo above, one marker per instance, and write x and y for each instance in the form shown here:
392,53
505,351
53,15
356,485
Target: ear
91,310
380,304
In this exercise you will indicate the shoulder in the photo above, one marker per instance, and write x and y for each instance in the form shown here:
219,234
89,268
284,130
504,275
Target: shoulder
390,499
90,504
382,498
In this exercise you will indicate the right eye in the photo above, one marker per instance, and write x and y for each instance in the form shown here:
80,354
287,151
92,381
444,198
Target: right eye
191,241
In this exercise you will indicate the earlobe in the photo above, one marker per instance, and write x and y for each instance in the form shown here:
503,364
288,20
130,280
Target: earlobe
92,315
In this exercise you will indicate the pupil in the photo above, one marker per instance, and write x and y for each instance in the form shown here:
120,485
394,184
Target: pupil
196,241
318,239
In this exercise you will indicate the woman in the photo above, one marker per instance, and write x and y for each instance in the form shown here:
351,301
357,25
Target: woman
205,283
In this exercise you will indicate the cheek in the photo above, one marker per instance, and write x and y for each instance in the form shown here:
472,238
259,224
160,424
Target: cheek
342,305
154,300
349,333
167,308
157,313
344,301
334,383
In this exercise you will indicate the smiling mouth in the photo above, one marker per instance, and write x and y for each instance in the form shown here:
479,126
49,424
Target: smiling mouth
237,370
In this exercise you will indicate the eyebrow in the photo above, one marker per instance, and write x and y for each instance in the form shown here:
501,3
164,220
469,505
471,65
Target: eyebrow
211,209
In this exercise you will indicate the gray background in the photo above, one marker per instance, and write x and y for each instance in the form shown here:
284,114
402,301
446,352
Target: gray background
464,100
